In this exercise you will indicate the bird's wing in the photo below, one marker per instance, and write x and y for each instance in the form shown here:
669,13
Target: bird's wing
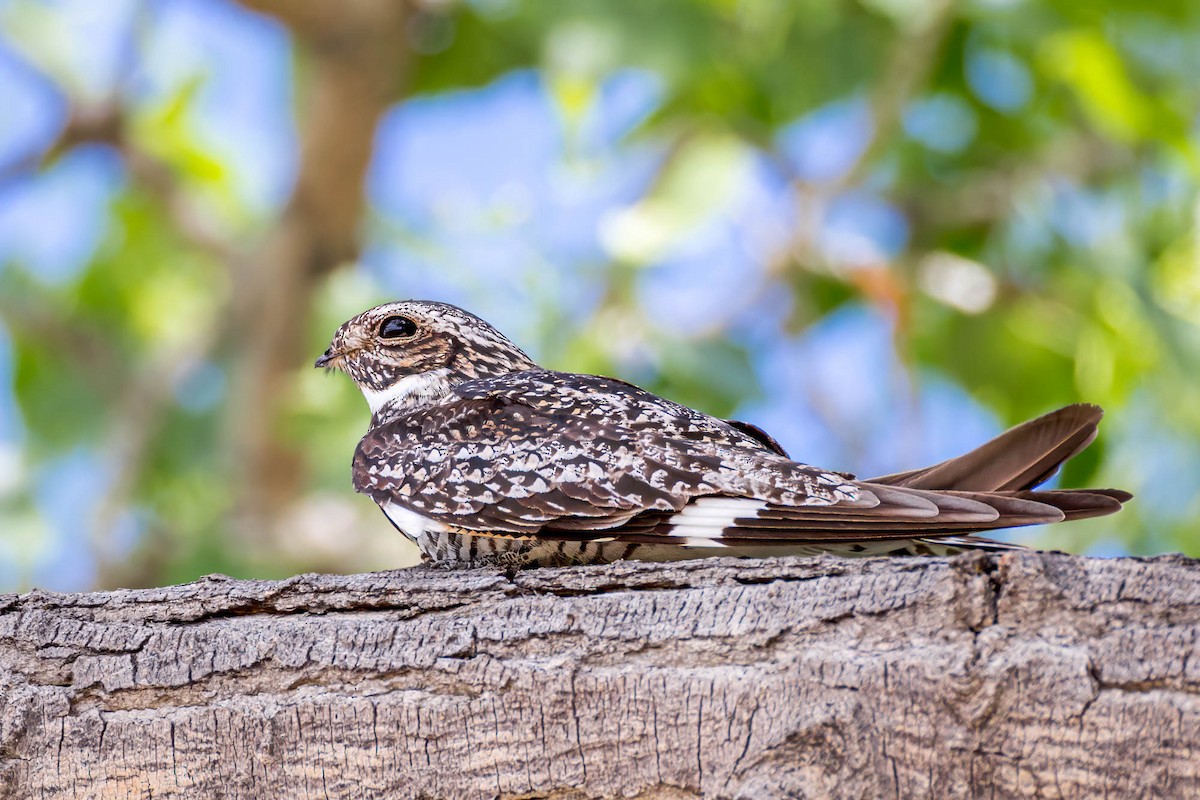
585,461
500,466
759,435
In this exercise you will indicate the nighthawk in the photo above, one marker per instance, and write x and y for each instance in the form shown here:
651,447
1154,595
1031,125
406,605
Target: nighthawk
479,455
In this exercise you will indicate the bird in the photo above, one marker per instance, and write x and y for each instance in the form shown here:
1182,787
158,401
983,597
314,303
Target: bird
481,456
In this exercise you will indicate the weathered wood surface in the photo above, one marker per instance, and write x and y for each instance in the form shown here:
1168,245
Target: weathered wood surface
1022,675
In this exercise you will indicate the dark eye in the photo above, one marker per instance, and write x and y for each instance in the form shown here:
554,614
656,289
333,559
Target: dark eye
397,328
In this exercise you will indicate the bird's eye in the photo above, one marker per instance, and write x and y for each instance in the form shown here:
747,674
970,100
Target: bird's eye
397,328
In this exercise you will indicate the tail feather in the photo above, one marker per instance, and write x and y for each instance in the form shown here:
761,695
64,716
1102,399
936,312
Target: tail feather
1014,510
1009,467
1081,503
1018,459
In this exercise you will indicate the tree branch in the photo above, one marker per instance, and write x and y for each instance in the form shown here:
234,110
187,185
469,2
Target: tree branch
1027,674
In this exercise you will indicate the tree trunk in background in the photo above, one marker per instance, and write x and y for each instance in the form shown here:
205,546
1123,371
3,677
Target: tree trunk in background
353,58
1023,675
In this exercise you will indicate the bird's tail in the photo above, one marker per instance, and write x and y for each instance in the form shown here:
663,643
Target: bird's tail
1019,460
1008,469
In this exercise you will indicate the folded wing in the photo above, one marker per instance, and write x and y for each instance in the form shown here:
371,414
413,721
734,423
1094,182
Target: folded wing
582,467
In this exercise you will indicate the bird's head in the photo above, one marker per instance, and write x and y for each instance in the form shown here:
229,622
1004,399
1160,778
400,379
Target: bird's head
411,352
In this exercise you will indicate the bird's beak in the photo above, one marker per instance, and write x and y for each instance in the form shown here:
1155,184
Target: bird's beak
326,358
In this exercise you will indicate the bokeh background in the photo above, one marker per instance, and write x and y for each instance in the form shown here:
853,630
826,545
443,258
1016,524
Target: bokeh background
881,229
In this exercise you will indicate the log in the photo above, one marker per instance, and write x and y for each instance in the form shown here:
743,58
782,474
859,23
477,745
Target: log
1019,675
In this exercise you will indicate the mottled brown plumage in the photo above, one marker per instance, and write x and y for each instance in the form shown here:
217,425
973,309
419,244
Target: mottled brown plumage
476,453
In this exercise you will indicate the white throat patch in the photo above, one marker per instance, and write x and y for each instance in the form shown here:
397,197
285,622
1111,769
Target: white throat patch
411,390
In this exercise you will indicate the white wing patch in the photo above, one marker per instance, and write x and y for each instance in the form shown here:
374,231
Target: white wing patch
702,521
721,511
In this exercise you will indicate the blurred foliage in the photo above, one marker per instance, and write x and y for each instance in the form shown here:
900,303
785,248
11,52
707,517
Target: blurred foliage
1032,165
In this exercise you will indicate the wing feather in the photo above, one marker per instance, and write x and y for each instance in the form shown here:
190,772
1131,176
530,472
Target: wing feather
500,464
579,458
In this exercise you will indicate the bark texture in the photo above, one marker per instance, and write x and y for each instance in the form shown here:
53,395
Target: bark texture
1024,675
